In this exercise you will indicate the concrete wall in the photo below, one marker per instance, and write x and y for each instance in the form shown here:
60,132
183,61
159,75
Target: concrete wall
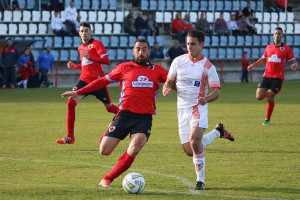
229,72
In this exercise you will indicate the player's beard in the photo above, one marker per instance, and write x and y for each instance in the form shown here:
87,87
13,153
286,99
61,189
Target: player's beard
141,60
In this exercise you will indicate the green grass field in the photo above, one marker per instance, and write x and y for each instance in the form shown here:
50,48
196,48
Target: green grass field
262,162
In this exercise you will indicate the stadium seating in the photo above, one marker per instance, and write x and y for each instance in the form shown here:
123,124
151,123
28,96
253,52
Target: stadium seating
213,53
264,40
207,41
297,40
42,29
12,29
231,40
119,16
215,41
76,41
123,41
256,53
248,40
64,54
101,16
160,40
296,52
111,54
26,16
117,29
219,5
187,5
289,29
7,16
297,28
238,53
74,55
153,5
178,5
113,4
104,5
221,53
227,5
195,5
223,40
289,40
131,41
105,40
58,43
159,17
205,52
46,16
49,41
22,29
114,41
55,54
169,5
256,40
107,28
35,54
240,40
95,4
17,15
161,5
120,54
144,5
86,5
229,53
98,29
36,16
68,42
84,15
110,17
129,54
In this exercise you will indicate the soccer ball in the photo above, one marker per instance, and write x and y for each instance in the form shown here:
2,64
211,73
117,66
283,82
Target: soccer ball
133,183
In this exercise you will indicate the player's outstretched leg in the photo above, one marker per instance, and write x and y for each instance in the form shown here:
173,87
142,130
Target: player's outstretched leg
69,138
224,133
199,162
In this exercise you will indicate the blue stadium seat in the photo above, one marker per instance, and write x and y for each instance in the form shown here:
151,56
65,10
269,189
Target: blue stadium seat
132,39
243,4
111,54
74,55
129,54
105,41
114,41
95,4
38,44
153,5
296,52
223,40
240,40
219,5
160,40
30,5
255,52
215,40
256,40
22,4
178,5
207,41
289,40
259,6
264,40
238,53
77,41
253,5
170,5
203,5
262,50
121,54
248,40
55,54
235,6
150,40
205,52
221,53
211,5
78,4
227,5
144,5
113,4
49,41
58,43
161,5
186,6
195,5
64,54
229,53
86,5
213,53
35,54
68,41
297,40
104,5
231,40
123,41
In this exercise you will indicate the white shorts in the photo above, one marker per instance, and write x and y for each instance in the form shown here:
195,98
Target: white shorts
190,117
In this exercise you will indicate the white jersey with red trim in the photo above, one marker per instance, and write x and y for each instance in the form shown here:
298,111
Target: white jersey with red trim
192,79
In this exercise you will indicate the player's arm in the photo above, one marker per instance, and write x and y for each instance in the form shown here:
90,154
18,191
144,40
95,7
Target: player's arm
214,95
259,62
294,65
168,87
72,65
95,85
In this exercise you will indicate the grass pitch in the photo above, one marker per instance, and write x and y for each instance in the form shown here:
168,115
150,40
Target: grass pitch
262,162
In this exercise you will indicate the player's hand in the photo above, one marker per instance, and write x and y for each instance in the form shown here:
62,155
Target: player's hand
84,53
166,91
294,66
250,68
71,65
71,94
202,101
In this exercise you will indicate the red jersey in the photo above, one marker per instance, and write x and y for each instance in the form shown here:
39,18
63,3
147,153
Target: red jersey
92,69
139,85
276,60
245,62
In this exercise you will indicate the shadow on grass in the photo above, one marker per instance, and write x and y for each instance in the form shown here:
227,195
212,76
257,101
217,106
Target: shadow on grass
259,189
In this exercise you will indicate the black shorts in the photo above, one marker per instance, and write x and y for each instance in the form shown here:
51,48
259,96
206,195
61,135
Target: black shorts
128,122
274,84
101,94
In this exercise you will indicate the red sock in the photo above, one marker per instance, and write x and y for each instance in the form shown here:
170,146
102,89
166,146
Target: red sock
270,108
113,109
71,117
122,165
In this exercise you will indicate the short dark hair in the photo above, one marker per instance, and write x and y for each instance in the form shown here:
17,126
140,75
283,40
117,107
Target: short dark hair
279,28
244,52
143,40
9,39
197,34
85,24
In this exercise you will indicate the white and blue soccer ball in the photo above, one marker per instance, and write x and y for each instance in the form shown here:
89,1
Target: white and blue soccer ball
133,183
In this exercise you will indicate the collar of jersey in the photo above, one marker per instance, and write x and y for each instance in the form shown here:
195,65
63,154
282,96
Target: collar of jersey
281,45
89,42
147,64
194,61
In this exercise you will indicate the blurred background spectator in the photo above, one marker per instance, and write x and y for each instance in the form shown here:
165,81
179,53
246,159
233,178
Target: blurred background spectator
251,25
243,27
44,62
152,26
129,24
232,25
220,26
141,25
57,25
203,25
271,6
70,18
175,50
178,27
156,52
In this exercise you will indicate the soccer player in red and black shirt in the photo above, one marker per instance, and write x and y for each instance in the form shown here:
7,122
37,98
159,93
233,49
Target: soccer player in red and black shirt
139,82
275,56
92,55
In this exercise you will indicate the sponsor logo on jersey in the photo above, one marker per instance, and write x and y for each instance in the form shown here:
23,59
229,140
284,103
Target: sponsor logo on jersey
112,128
74,88
282,48
274,58
142,82
90,46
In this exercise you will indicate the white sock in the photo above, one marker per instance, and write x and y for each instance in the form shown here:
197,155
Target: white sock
199,162
210,137
18,84
25,84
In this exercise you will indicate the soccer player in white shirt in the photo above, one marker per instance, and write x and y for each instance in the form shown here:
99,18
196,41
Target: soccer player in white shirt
192,73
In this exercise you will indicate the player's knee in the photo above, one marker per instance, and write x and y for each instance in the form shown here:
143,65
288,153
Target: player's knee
104,152
71,103
259,97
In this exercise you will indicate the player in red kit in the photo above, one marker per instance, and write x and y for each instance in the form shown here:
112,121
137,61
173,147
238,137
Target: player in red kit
275,55
92,55
139,82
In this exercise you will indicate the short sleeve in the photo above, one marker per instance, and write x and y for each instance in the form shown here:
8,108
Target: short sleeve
173,70
213,78
115,75
290,55
101,49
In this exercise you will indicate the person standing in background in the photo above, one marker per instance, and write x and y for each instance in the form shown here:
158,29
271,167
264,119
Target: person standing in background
245,63
44,62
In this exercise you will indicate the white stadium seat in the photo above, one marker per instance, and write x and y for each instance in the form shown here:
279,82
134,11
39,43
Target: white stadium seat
107,28
46,16
22,29
12,29
42,29
110,16
36,16
92,16
98,29
26,16
32,29
17,15
7,16
101,16
3,29
83,15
